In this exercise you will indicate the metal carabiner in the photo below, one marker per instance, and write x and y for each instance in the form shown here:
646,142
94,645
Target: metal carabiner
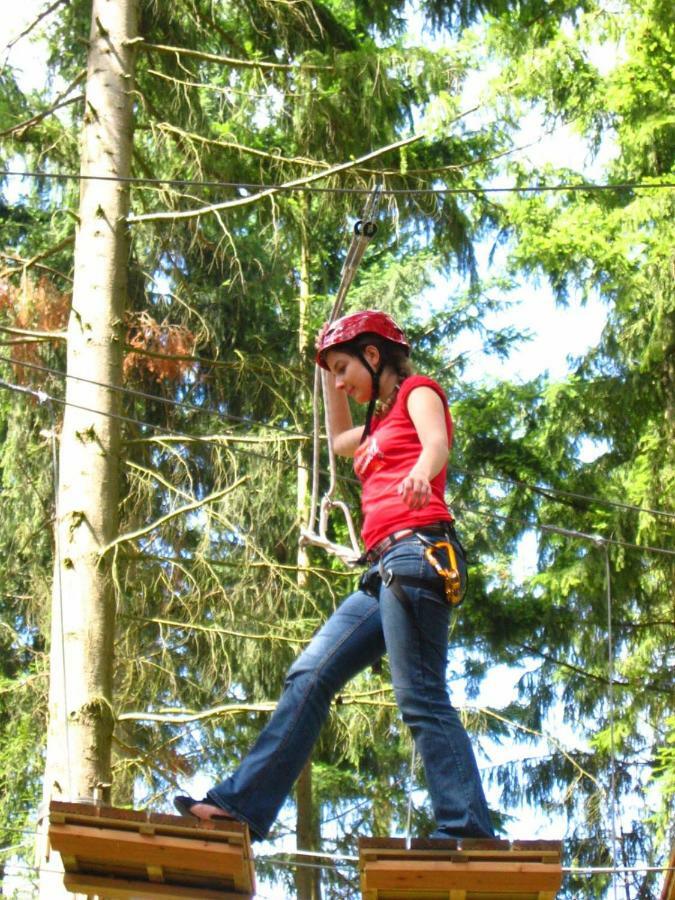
452,582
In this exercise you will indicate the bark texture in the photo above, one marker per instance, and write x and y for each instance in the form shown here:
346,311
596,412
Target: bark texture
83,614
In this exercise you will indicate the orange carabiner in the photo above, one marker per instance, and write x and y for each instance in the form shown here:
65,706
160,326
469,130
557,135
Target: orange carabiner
451,580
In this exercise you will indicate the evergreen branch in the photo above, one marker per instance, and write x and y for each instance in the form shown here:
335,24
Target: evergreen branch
61,100
36,21
547,737
23,127
205,85
234,145
224,439
334,573
26,264
533,651
189,507
228,60
210,629
270,192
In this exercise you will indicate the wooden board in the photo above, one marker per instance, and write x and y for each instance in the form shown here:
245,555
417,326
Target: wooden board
453,870
121,853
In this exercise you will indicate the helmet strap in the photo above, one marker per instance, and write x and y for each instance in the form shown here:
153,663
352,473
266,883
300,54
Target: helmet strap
375,375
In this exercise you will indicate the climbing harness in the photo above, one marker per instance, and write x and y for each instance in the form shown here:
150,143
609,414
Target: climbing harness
452,583
364,229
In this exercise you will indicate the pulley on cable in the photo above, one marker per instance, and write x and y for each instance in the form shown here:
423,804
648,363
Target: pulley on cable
364,229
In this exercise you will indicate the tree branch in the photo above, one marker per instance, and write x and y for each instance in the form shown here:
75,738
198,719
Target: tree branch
28,263
233,145
209,629
27,30
533,651
132,535
61,100
37,335
185,716
270,192
228,60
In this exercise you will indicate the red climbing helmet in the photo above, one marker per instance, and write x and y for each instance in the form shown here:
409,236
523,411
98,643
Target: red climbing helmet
348,327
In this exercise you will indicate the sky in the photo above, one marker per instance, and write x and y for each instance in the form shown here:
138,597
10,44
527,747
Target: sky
558,334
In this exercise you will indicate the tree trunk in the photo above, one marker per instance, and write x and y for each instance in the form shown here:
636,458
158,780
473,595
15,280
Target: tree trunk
83,613
308,832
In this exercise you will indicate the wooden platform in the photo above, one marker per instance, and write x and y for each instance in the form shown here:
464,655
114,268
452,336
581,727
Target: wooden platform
449,870
140,855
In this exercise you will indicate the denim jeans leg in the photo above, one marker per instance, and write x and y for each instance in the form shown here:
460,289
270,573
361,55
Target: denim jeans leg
416,638
350,640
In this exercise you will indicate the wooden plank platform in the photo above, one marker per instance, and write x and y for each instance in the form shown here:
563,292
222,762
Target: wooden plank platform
139,855
453,870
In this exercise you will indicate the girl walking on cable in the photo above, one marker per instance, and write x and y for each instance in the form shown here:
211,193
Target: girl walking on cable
402,606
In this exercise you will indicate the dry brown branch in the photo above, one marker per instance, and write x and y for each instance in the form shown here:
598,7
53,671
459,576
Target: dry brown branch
270,192
38,335
228,60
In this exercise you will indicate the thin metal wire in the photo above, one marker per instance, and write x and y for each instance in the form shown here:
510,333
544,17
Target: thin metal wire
408,821
246,420
171,432
143,395
610,694
507,189
59,591
558,492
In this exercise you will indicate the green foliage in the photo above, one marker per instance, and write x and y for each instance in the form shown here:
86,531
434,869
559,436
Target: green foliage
212,604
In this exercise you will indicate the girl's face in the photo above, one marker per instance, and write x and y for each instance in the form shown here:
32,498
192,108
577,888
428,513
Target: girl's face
351,376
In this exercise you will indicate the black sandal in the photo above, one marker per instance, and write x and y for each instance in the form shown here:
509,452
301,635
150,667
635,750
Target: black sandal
184,806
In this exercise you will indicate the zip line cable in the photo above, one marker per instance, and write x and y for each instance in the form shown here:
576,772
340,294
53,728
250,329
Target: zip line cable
59,591
246,420
143,395
565,532
610,697
559,492
537,526
246,186
348,859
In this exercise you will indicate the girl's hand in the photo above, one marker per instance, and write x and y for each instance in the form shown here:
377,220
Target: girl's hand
415,491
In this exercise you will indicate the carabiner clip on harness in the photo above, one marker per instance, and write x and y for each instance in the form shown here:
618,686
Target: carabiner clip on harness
452,583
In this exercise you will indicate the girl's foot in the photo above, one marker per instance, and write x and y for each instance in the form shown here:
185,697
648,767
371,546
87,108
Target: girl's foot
201,809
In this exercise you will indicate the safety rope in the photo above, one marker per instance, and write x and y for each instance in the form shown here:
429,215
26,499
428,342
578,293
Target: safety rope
364,229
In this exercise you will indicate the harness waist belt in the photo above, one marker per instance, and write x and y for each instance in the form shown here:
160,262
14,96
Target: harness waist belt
382,546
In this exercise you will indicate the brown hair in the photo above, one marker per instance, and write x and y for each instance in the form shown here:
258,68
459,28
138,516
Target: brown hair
393,355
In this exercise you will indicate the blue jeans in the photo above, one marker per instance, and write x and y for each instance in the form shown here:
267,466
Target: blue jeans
365,626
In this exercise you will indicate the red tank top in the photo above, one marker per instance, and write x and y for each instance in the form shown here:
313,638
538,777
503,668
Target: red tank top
383,460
